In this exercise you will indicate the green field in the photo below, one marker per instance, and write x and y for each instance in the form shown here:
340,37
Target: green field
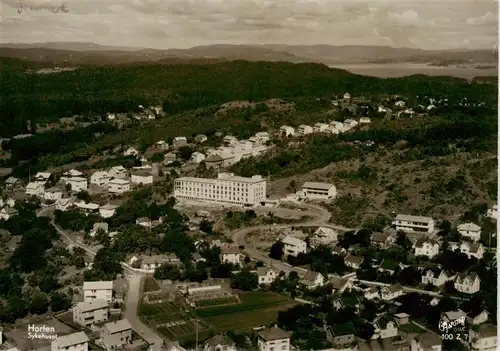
228,300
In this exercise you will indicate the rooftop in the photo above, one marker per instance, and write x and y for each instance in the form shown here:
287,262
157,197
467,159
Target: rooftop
118,326
315,185
273,333
71,339
99,285
92,305
410,218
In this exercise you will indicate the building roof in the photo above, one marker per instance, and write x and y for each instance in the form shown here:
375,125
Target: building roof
311,276
34,185
380,237
402,315
72,339
410,218
142,173
262,271
354,259
222,340
108,207
118,181
273,333
394,288
474,247
228,250
101,225
316,185
421,242
99,285
92,305
462,276
452,315
290,240
12,180
338,283
469,227
487,330
118,326
63,202
428,339
118,169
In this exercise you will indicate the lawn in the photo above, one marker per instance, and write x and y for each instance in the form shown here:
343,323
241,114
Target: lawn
150,284
411,328
255,309
229,300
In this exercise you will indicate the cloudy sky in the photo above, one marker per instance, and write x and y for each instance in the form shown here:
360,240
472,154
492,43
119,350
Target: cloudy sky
425,24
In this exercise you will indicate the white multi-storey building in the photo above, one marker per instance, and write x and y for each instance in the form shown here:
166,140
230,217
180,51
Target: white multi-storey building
293,246
410,223
99,178
100,290
91,312
78,184
226,189
319,191
273,339
118,186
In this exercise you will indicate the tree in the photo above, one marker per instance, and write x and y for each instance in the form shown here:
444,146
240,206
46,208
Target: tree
39,304
206,226
402,240
277,250
84,196
79,262
292,186
167,271
245,280
59,302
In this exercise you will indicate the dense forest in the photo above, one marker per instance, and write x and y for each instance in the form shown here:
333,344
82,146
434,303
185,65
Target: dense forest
97,90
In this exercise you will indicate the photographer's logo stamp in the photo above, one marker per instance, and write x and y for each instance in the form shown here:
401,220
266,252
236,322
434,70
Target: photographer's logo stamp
454,329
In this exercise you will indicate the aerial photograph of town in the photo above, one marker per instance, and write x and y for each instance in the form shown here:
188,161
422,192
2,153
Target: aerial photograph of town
255,175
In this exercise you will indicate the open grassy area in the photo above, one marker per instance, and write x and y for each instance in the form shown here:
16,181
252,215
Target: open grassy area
256,308
150,284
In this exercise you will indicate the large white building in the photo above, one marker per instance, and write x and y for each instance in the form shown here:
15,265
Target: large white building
100,290
410,223
319,191
226,189
293,246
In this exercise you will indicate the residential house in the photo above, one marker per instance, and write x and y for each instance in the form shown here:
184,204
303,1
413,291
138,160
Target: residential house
341,335
100,178
437,277
364,120
313,280
339,126
53,194
72,342
103,226
266,275
64,204
179,141
262,137
371,293
347,96
391,292
333,129
197,157
410,223
150,263
35,189
13,183
320,127
402,318
385,327
324,236
214,161
426,342
426,247
219,343
7,212
87,207
450,316
142,177
107,211
200,138
117,334
117,172
474,314
467,283
131,152
230,254
42,177
347,300
304,129
89,313
287,131
382,240
118,186
144,222
350,123
98,290
353,262
319,191
339,285
162,145
273,339
475,250
293,246
470,230
339,250
484,338
78,184
71,174
169,158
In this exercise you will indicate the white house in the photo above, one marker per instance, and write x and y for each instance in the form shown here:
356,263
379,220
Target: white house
89,313
437,277
98,290
118,186
353,262
35,189
7,212
467,283
475,250
130,152
99,226
391,292
324,236
99,178
179,141
52,194
484,338
384,327
371,293
273,339
197,157
304,129
141,177
410,223
426,247
117,172
144,222
350,123
219,343
313,280
262,137
230,254
426,342
78,184
287,131
347,96
107,211
320,127
115,335
293,246
470,230
87,207
365,120
64,204
319,191
42,177
70,174
200,138
266,275
339,285
72,342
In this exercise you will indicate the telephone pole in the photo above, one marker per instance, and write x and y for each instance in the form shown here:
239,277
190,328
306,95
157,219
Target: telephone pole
196,334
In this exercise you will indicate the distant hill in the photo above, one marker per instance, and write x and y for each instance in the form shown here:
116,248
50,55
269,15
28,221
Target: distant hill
89,53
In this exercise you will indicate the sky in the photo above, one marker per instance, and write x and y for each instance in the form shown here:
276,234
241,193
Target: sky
164,24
